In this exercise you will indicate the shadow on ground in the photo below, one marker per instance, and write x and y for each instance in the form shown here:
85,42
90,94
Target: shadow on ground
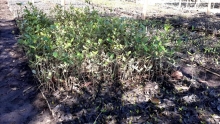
20,99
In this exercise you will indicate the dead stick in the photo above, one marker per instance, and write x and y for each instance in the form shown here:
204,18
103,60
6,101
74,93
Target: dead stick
204,67
208,70
47,104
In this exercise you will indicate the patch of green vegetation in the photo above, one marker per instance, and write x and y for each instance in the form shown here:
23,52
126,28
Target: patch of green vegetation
79,41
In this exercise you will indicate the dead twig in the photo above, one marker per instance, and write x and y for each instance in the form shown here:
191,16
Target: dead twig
47,104
207,69
97,117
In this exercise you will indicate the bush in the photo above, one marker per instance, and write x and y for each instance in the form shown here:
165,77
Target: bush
80,43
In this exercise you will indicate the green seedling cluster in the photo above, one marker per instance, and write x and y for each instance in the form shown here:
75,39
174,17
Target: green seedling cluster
68,44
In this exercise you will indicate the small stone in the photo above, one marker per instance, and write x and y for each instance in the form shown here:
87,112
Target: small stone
34,72
216,117
156,87
62,89
68,117
190,99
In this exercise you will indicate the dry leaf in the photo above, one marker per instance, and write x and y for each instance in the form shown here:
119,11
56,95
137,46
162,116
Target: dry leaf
177,75
155,100
87,84
201,81
54,80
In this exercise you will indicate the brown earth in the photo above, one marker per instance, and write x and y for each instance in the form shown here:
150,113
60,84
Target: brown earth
20,100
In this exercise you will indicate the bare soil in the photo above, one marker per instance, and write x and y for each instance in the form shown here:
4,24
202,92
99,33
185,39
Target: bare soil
20,100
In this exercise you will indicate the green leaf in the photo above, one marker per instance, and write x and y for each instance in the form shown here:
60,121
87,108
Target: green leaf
193,27
112,56
68,45
19,4
166,27
162,48
109,40
79,55
128,53
55,54
33,47
38,57
146,48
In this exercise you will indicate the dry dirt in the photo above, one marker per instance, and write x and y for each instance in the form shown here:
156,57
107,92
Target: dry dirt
20,100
